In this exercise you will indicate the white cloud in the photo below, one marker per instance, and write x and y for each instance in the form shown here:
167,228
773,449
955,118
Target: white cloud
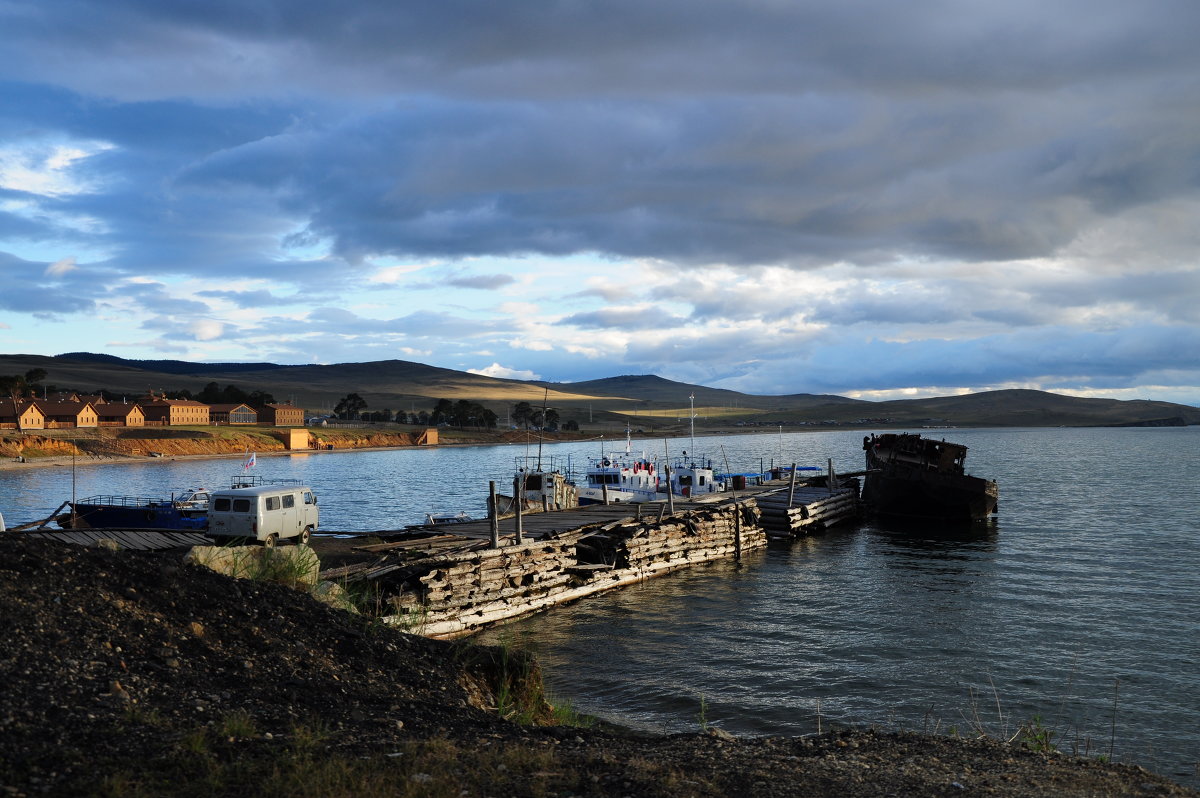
206,329
45,167
503,372
61,267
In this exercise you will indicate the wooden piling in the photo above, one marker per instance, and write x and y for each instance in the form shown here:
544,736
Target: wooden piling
520,504
494,515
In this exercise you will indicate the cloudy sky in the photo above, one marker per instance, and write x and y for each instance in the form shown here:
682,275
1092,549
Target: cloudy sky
869,198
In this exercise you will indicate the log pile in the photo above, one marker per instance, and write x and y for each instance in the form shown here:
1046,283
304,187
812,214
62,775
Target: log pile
812,510
451,594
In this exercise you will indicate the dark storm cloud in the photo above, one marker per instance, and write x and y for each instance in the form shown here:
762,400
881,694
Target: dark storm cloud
27,289
693,131
486,282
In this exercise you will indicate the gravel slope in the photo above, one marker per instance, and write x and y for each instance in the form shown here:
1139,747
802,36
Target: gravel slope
122,672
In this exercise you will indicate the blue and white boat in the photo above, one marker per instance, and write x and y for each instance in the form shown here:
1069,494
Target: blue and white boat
187,511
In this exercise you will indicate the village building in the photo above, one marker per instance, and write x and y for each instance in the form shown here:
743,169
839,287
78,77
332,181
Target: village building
75,396
174,412
281,415
232,414
122,415
68,415
21,415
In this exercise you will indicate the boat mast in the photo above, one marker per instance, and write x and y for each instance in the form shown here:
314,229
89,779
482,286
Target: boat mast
692,420
545,398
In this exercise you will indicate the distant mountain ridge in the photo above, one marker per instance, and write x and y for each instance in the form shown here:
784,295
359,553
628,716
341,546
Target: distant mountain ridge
642,400
168,366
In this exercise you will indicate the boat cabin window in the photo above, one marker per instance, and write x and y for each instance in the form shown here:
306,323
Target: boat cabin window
289,501
272,502
221,505
241,505
701,478
603,479
309,498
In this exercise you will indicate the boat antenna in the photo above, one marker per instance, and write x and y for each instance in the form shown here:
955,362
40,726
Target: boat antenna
628,441
545,398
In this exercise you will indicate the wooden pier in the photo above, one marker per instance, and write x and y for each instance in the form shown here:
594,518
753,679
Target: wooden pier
443,584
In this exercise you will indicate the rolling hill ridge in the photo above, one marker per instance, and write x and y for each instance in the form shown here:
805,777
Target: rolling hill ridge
642,400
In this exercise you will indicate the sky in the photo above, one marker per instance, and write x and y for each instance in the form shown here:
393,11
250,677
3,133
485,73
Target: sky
867,198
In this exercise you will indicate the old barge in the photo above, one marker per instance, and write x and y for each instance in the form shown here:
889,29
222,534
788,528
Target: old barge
908,476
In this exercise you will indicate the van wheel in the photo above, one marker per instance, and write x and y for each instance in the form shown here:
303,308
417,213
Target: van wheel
271,540
304,536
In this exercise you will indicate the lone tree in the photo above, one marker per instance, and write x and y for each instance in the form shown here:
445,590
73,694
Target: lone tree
349,406
522,414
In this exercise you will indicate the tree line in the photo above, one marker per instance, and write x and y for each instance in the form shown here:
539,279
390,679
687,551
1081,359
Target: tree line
463,414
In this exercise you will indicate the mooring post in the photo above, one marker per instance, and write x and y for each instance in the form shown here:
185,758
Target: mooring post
792,486
670,492
545,504
829,479
519,500
494,515
604,493
637,512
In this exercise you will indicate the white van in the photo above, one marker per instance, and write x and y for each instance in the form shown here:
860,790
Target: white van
268,513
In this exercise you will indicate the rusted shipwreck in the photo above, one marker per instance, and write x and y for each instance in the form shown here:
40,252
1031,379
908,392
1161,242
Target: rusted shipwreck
911,477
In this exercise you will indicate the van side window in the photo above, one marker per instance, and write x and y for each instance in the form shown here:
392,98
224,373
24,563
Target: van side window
272,502
289,501
221,505
241,505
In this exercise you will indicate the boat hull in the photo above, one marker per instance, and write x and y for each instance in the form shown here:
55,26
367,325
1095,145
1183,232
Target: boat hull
148,516
945,497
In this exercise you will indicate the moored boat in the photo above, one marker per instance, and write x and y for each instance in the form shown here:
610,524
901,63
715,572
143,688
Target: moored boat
620,480
909,476
187,511
540,484
692,477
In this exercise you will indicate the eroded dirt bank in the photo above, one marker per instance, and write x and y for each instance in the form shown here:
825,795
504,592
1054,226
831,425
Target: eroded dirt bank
128,673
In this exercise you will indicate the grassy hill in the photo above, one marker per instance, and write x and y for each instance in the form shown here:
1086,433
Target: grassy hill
641,400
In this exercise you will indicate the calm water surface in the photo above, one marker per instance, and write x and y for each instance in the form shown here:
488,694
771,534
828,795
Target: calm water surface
1080,605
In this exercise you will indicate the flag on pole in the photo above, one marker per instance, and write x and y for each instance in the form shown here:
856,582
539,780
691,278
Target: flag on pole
250,461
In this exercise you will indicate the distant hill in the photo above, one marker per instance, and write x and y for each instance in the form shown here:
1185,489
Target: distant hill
642,400
167,366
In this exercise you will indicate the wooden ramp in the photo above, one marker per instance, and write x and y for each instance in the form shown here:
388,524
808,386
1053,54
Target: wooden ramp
135,539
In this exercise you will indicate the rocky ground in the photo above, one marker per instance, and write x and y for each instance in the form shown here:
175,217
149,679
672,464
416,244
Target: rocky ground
128,673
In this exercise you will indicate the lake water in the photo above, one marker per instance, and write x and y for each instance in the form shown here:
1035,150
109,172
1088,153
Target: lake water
1080,604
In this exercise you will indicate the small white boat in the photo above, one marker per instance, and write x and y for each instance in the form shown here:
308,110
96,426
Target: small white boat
445,519
691,477
540,484
620,480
